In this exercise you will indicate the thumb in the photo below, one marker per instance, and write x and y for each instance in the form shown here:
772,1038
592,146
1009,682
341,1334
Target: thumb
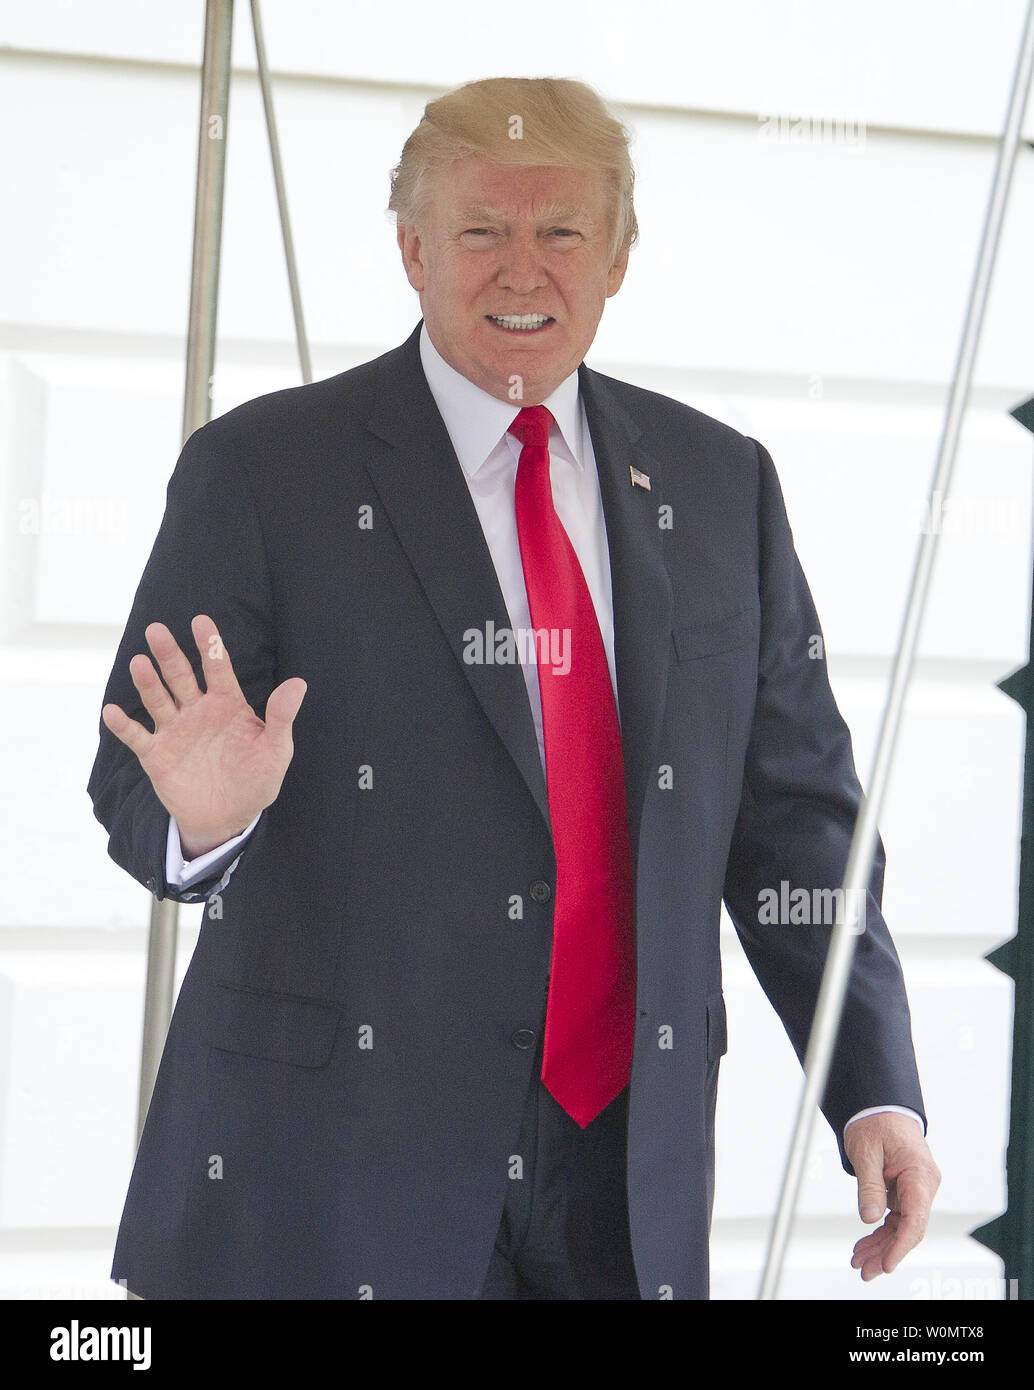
872,1190
282,707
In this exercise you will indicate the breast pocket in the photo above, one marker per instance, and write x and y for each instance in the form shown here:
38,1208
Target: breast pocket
713,636
275,1027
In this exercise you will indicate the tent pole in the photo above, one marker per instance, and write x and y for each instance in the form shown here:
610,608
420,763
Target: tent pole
837,971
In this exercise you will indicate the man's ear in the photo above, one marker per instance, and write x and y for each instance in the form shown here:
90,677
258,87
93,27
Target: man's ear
616,274
409,245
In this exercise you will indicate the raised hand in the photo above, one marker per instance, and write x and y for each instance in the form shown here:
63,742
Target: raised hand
213,763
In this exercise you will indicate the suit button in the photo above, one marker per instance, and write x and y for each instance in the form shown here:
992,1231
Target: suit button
150,885
541,891
523,1038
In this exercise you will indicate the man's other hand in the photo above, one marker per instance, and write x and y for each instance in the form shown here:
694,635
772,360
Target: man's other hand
213,763
897,1178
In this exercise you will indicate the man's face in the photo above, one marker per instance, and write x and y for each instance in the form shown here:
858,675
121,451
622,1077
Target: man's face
501,240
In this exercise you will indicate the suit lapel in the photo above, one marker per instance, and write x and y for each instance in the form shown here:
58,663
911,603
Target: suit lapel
640,584
420,479
423,490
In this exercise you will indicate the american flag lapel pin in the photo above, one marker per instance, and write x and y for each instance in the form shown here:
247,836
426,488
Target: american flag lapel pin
639,479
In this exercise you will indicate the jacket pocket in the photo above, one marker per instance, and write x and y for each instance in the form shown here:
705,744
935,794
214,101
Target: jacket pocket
277,1027
716,635
717,1028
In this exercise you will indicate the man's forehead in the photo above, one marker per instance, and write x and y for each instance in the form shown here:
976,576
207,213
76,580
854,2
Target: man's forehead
543,210
477,186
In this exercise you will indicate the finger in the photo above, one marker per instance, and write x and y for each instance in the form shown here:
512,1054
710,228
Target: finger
177,672
882,1251
156,699
282,707
215,662
872,1190
128,731
915,1199
872,1269
870,1259
908,1236
875,1240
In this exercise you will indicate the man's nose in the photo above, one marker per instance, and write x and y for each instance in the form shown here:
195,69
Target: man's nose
522,269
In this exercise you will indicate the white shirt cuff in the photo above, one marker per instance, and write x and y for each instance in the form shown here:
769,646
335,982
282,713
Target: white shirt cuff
180,872
884,1109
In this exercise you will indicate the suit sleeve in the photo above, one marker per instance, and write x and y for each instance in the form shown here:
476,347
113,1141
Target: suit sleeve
798,805
209,557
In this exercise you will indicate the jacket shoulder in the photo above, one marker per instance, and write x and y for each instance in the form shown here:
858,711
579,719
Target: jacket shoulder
665,420
297,415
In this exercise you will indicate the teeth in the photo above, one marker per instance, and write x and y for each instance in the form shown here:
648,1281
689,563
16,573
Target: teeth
520,320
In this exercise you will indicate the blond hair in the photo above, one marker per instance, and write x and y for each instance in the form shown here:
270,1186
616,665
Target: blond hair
562,124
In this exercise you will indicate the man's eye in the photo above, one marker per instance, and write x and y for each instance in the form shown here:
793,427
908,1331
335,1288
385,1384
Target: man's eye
565,231
478,231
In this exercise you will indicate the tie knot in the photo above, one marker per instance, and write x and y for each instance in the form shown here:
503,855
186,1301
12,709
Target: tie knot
531,425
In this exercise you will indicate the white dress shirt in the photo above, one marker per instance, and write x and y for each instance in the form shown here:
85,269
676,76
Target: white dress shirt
488,455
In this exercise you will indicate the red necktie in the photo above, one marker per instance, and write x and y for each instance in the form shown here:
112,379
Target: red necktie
590,1011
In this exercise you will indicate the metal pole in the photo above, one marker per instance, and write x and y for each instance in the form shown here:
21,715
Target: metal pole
197,409
281,194
860,859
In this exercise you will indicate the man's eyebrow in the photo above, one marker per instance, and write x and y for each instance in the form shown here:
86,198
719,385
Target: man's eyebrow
550,212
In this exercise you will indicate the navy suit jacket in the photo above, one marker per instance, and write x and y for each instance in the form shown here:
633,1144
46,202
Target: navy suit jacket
344,1077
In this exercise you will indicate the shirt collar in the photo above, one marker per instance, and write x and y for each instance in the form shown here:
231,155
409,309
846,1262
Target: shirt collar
477,421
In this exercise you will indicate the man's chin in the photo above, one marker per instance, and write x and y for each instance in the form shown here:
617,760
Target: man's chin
524,377
517,388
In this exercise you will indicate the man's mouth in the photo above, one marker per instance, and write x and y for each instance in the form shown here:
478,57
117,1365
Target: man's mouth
521,323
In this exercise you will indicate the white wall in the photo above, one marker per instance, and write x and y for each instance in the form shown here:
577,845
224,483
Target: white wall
804,281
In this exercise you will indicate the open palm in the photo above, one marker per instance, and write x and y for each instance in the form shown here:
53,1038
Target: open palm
213,763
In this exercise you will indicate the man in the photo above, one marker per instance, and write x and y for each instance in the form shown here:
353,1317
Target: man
535,657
